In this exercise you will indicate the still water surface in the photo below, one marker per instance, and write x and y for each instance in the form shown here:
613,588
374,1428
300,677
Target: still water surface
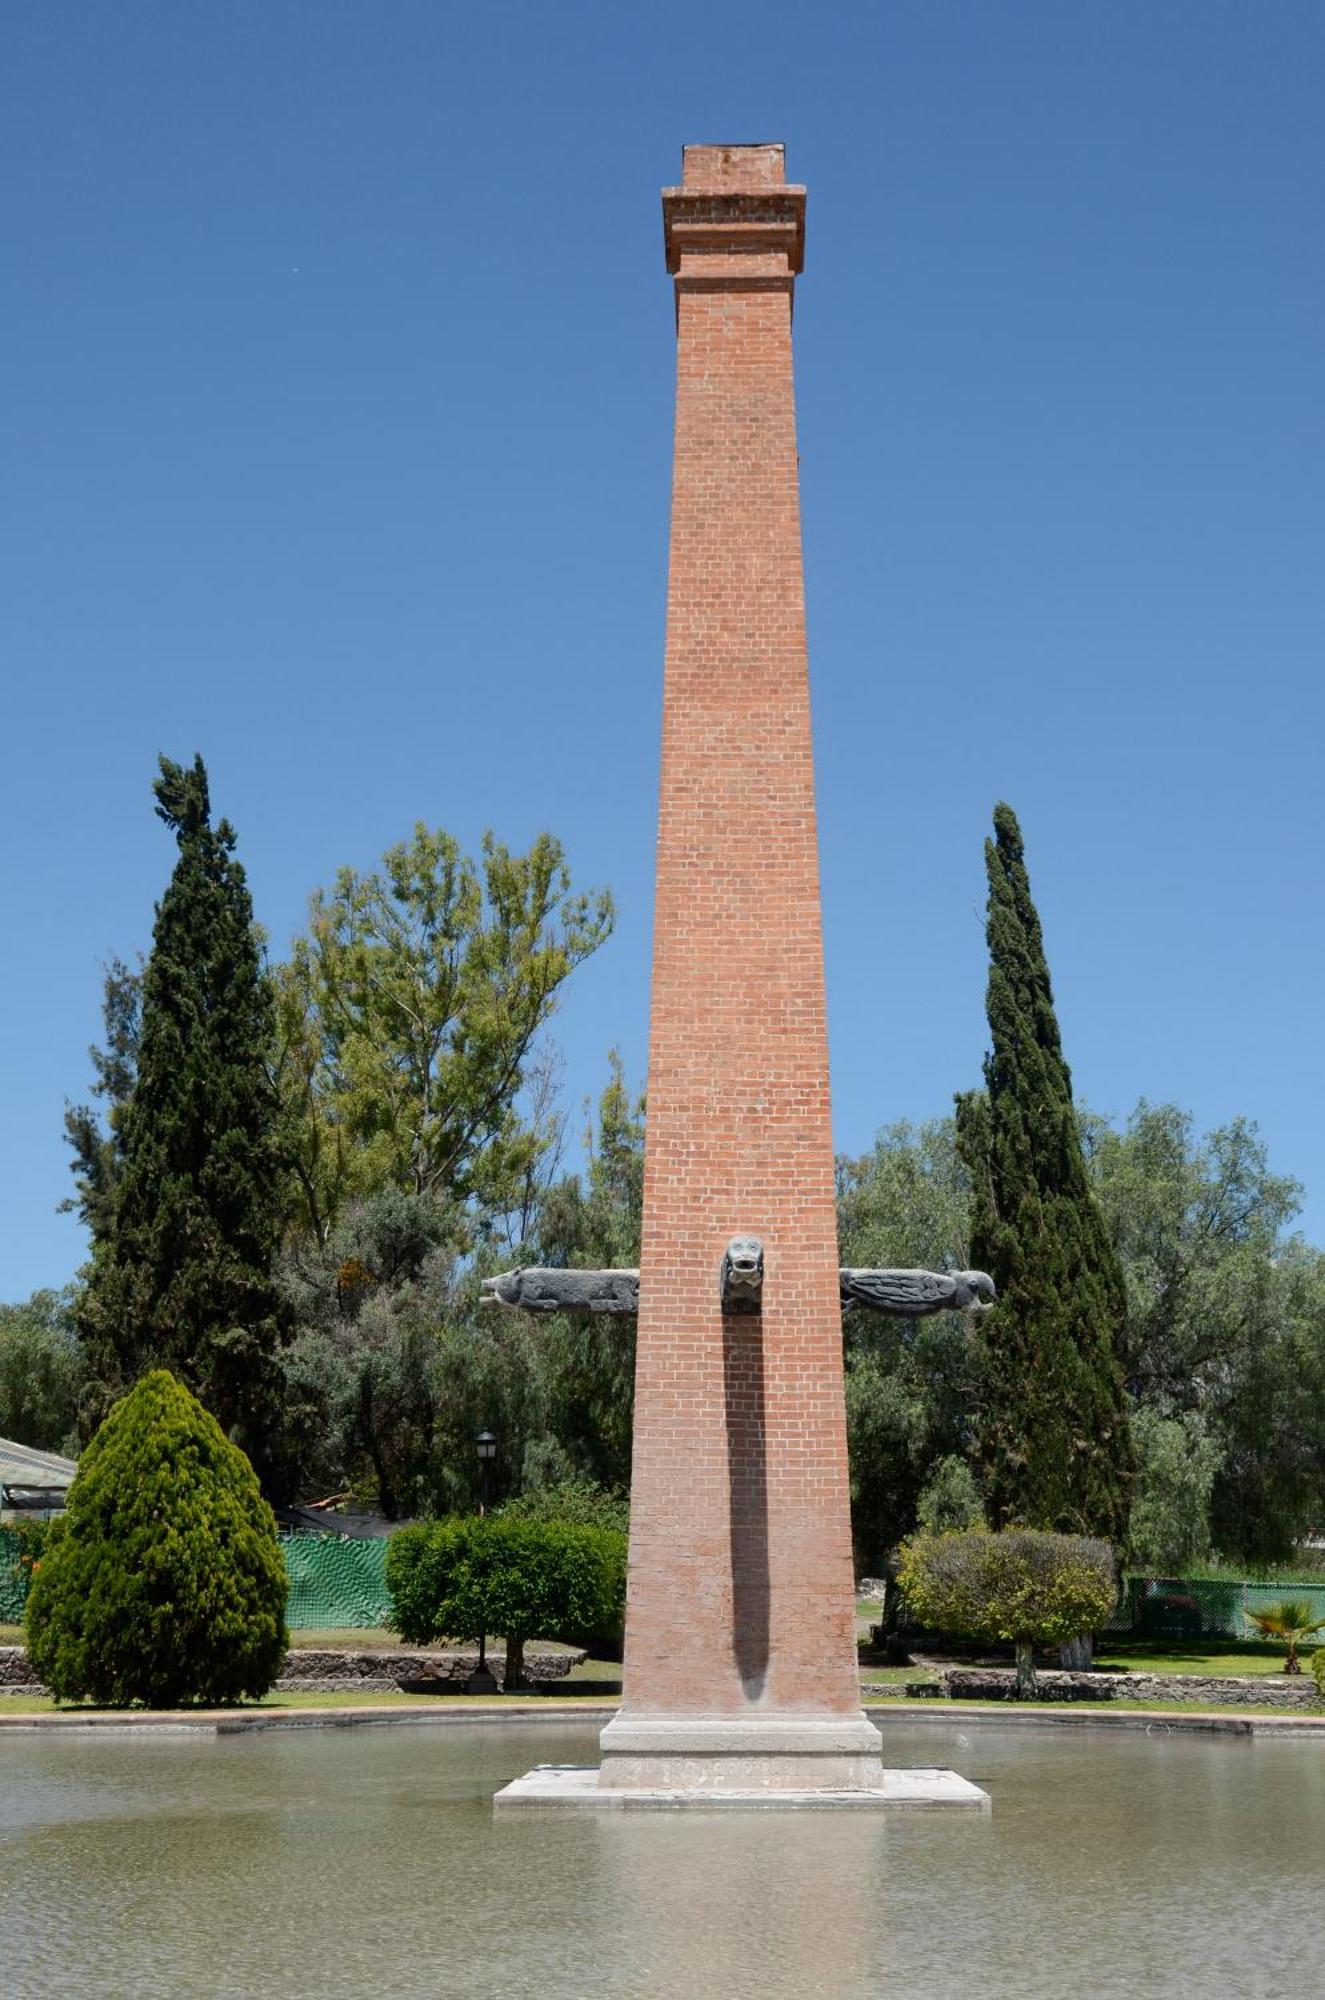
370,1863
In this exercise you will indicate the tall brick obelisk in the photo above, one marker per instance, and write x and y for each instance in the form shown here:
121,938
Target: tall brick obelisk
740,1664
740,1682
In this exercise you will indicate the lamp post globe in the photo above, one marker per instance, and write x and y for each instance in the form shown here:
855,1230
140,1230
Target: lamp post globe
485,1445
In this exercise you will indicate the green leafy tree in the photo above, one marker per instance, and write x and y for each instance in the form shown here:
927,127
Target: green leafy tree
1226,1320
1225,1333
362,1388
164,1582
395,1369
1019,1586
409,1012
1196,1222
909,1383
522,1579
185,1274
1177,1463
907,1202
1269,1412
950,1500
587,1365
1052,1411
96,1131
576,1501
41,1372
579,1503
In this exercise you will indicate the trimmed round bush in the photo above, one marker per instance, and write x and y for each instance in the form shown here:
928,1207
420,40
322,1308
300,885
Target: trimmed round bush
520,1579
164,1582
1020,1585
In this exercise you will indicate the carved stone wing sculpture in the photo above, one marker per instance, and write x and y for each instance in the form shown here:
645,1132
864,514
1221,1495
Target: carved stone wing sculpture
535,1288
912,1293
539,1289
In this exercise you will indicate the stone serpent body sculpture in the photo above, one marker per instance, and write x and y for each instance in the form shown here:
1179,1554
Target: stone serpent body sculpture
907,1294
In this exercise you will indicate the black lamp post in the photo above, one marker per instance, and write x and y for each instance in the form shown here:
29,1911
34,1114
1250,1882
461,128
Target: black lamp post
485,1444
482,1680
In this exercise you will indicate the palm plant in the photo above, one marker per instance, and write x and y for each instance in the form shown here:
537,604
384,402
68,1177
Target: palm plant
1290,1621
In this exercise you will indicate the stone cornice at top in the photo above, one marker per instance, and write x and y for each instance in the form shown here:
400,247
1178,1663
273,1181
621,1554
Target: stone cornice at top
733,201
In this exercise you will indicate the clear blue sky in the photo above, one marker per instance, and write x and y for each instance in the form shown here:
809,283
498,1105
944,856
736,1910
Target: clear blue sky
337,393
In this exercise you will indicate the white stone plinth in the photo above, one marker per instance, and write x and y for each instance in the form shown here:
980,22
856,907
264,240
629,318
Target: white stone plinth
550,1786
765,1752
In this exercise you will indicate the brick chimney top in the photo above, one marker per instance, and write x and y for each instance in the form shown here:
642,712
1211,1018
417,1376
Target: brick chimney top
733,169
734,211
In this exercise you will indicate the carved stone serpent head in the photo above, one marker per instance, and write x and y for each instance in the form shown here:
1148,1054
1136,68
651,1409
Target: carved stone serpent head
743,1274
976,1292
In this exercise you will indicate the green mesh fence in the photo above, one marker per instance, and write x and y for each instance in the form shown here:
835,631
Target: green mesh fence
343,1583
334,1582
1201,1608
13,1580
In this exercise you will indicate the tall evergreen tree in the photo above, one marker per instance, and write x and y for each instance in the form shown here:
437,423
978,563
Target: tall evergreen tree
1052,1416
97,1139
184,1278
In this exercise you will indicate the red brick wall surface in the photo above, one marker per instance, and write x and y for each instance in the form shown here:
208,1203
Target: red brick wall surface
741,1594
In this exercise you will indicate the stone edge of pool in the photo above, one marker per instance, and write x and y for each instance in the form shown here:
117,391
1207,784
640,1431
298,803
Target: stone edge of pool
476,1712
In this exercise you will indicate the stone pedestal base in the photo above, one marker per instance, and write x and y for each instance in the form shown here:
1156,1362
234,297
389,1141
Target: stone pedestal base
740,1754
560,1786
710,1762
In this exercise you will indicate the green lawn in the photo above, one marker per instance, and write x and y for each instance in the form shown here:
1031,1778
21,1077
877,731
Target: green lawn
42,1704
579,1680
943,1709
340,1638
1143,1656
1202,1656
19,1704
348,1638
354,1638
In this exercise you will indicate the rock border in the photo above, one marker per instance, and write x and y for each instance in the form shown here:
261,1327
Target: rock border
962,1683
367,1670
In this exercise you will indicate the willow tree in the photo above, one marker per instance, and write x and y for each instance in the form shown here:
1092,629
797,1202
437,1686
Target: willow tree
1051,1406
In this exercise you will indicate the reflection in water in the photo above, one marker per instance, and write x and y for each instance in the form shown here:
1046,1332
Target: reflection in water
369,1862
765,1904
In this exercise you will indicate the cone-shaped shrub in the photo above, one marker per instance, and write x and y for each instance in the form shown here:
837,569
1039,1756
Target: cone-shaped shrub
164,1583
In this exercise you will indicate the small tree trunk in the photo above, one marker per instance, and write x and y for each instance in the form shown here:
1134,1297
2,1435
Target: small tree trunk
1075,1654
513,1671
1025,1670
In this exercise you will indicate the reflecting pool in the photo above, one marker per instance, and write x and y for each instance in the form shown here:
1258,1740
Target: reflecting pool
369,1862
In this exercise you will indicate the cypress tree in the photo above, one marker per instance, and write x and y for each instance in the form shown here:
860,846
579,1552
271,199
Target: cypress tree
1052,1414
164,1582
185,1279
